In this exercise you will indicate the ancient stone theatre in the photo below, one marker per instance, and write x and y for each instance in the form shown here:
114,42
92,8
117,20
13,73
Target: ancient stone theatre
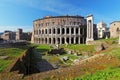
61,30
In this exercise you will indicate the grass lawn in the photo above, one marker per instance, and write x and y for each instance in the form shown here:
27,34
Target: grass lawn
11,53
43,48
109,41
114,52
80,47
4,64
108,74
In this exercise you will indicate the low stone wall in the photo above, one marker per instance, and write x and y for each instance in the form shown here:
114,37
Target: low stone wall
25,64
98,62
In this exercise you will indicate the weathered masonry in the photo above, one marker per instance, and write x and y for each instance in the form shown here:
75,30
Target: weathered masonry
60,30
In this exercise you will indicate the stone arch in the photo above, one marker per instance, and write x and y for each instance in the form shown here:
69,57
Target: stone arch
72,40
42,40
67,40
72,30
117,30
58,40
63,31
39,40
49,40
45,40
81,30
45,31
76,30
67,30
53,40
54,31
81,40
58,30
49,31
63,40
39,31
77,40
42,31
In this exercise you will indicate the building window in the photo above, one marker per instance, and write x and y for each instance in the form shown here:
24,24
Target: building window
76,30
63,31
58,31
45,31
39,31
72,30
49,31
67,30
53,31
42,31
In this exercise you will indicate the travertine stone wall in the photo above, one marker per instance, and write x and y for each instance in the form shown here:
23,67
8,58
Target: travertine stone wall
59,30
114,29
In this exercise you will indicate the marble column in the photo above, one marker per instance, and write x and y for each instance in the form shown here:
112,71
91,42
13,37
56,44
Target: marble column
65,30
70,40
70,30
74,30
74,40
78,40
89,29
60,30
79,31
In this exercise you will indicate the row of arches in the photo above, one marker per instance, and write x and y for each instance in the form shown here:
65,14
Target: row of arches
63,40
73,30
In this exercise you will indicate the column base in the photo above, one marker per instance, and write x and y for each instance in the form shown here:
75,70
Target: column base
89,41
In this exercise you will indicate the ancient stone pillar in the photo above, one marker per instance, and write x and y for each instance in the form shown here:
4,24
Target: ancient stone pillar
60,30
89,29
74,40
69,30
78,40
70,40
51,40
74,31
79,30
65,30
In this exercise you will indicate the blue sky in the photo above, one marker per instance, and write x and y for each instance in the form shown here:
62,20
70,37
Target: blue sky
21,13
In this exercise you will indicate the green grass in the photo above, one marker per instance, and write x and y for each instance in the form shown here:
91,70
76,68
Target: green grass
4,64
71,56
12,54
114,52
109,41
108,74
42,48
80,47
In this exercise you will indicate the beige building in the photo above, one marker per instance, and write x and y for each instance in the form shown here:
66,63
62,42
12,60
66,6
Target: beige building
19,35
60,29
114,29
101,29
8,35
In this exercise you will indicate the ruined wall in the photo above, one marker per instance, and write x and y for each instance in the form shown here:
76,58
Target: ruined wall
25,64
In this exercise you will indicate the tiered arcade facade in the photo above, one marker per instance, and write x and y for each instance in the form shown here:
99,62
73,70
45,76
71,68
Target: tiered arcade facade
59,30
